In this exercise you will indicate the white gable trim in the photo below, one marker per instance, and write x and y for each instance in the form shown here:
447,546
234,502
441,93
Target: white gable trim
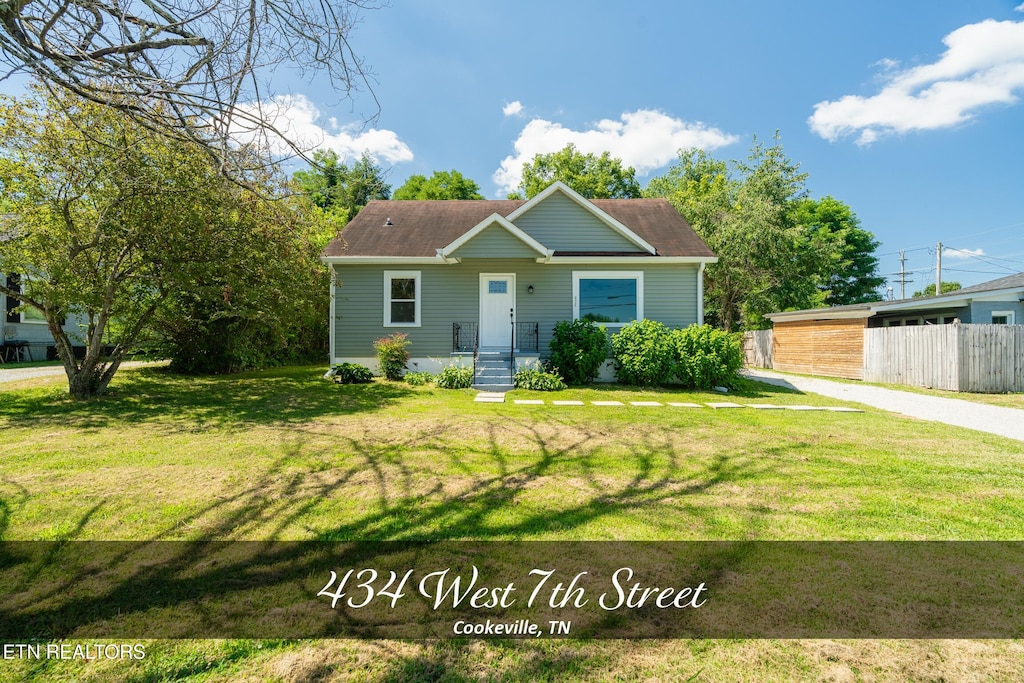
499,220
559,186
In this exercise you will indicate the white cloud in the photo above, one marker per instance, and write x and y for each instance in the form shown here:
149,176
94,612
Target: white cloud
298,120
1019,8
983,65
644,139
512,108
962,253
887,64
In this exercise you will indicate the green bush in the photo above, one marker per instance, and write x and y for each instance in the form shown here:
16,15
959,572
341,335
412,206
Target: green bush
454,377
706,357
538,379
418,379
392,354
643,353
578,348
351,373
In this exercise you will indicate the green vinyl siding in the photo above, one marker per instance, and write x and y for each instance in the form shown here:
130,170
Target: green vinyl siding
451,293
561,224
495,240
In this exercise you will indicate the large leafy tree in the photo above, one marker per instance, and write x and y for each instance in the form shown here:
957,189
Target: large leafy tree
843,253
340,189
189,69
110,222
742,212
778,250
440,185
594,177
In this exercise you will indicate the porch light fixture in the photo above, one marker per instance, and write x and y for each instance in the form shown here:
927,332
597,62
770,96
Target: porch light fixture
530,289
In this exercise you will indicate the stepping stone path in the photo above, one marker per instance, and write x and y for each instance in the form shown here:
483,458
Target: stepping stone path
488,397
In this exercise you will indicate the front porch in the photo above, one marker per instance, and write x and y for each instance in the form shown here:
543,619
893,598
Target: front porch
494,365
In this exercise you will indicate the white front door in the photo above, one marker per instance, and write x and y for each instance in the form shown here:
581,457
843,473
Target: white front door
497,309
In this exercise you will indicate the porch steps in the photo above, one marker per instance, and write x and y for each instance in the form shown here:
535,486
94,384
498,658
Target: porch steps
493,371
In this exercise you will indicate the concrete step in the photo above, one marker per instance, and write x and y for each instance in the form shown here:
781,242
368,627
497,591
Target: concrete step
493,387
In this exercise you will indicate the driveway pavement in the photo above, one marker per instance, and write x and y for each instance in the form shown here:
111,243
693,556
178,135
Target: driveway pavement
10,373
952,411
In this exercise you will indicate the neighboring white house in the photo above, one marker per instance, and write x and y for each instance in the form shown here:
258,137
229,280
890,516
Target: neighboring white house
26,336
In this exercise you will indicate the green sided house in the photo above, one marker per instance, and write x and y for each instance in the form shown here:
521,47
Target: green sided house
484,282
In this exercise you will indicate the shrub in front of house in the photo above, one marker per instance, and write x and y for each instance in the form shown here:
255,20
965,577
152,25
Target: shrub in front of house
538,379
454,377
418,379
578,348
392,354
351,373
643,353
705,357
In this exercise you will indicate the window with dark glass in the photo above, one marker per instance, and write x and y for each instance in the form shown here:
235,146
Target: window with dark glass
608,300
403,300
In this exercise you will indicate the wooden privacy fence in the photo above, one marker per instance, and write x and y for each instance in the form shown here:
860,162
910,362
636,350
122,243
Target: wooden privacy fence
757,348
977,358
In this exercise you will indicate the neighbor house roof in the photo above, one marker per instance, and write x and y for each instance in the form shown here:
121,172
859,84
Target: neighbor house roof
410,228
1012,285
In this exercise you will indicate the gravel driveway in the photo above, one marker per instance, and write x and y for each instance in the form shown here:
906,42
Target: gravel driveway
952,411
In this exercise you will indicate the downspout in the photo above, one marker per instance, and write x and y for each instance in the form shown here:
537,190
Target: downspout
330,353
700,293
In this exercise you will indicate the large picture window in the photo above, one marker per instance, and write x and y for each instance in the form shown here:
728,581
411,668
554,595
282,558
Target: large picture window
609,298
402,298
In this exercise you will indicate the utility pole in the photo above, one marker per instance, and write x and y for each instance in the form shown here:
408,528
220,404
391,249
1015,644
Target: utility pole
903,274
938,269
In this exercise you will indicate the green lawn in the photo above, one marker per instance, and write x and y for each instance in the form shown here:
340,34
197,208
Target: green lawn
285,455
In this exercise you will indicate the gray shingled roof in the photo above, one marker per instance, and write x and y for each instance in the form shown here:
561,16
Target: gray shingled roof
1008,282
420,228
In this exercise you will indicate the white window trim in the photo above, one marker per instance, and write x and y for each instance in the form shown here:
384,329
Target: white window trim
637,275
390,275
22,320
1010,317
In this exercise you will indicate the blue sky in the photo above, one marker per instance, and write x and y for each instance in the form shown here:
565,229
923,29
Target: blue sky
927,146
910,112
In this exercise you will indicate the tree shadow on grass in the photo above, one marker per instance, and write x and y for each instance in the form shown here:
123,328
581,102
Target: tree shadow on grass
274,397
515,484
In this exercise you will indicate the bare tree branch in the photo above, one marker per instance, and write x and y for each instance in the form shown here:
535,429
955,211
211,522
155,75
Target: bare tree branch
190,69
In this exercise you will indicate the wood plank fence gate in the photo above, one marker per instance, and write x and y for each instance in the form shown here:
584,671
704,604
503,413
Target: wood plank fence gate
974,358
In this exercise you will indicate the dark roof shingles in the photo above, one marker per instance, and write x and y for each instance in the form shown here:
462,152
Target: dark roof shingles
420,228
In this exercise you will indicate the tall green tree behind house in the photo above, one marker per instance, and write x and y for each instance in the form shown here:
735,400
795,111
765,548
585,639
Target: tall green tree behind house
742,212
929,290
120,226
440,185
341,190
847,265
594,177
777,249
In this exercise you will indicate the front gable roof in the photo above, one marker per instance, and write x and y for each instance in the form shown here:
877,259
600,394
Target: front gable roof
401,230
490,224
602,216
